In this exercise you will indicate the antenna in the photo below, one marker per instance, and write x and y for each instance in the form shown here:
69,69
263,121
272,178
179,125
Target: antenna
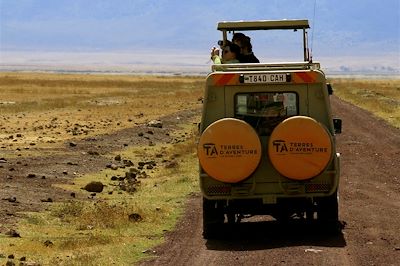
312,31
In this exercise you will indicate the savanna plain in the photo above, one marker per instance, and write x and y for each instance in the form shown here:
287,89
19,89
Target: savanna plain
135,136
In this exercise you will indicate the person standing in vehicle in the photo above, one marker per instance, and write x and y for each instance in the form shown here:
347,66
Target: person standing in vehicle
230,54
246,49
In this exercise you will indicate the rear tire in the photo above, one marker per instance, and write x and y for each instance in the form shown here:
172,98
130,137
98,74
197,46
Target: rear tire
213,218
328,212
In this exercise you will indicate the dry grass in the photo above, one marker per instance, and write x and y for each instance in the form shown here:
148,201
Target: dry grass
381,97
47,108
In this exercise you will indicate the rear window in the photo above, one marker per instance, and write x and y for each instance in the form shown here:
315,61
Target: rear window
265,110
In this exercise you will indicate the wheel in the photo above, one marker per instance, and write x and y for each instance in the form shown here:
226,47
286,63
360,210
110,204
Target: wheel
328,208
213,218
328,212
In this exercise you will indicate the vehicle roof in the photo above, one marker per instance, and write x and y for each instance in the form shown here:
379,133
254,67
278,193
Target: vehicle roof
263,25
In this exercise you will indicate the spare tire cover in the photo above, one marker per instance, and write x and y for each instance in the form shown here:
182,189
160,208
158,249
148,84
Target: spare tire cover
229,150
300,148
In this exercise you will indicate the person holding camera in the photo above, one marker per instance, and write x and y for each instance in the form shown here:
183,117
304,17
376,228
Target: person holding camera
230,54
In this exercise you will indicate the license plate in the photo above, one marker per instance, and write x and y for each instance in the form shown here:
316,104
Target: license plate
264,78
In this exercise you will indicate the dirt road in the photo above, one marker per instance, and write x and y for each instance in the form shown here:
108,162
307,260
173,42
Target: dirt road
369,208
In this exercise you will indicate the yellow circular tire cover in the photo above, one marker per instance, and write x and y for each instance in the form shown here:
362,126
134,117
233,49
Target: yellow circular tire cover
300,148
229,150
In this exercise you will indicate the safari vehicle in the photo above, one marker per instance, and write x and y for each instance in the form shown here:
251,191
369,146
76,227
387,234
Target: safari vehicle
267,139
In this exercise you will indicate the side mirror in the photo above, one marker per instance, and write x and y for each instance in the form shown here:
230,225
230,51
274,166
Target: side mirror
337,125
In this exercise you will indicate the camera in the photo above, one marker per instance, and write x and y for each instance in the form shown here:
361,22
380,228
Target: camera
220,42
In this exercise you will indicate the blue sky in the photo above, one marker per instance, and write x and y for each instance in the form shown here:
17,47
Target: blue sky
363,28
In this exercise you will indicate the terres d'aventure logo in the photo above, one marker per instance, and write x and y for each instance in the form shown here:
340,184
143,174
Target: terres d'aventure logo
213,150
282,147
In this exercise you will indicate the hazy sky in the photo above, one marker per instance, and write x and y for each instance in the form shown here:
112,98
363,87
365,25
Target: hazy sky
339,28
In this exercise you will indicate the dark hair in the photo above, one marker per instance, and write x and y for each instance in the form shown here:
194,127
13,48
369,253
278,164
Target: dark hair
237,36
244,41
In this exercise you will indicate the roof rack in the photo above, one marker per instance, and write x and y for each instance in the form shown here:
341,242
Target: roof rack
263,25
266,66
285,24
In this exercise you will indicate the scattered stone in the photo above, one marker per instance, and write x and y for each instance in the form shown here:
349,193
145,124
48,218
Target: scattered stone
117,158
2,160
65,172
13,233
155,123
73,194
93,194
134,170
22,259
127,163
135,217
72,144
31,176
112,166
171,164
397,248
94,153
10,263
48,243
149,251
11,199
114,178
312,250
94,186
130,175
150,132
11,256
47,200
140,134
